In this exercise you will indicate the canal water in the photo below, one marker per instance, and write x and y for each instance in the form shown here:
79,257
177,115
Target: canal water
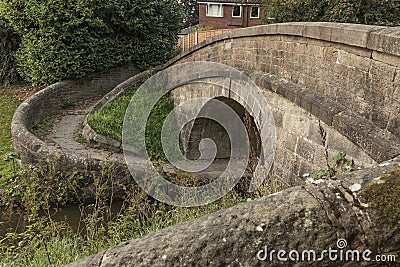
13,221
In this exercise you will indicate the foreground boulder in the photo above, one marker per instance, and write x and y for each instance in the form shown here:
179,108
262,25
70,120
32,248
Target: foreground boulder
346,222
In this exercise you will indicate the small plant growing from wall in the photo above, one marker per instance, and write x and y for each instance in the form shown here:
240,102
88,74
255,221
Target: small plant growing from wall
340,165
335,165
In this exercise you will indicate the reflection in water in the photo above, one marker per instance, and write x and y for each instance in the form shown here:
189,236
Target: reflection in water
74,215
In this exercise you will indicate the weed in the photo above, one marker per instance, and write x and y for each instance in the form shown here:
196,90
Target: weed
66,104
42,125
46,242
341,165
12,157
329,171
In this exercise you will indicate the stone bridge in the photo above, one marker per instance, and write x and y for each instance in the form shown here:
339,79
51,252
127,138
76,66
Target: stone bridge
345,76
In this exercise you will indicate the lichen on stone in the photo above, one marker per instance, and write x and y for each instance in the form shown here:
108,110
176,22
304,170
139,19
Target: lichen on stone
384,198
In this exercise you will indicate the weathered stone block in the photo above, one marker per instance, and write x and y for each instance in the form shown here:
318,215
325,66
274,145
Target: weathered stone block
320,30
295,29
355,61
295,123
362,107
324,108
383,70
377,143
379,91
380,117
394,125
386,40
306,149
352,34
290,141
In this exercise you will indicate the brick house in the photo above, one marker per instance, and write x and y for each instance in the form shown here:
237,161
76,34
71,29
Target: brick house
229,14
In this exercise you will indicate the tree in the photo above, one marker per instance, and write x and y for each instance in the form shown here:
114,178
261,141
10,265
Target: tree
191,12
375,12
71,38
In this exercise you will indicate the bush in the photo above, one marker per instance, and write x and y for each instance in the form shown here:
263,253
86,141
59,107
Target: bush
70,39
374,12
9,43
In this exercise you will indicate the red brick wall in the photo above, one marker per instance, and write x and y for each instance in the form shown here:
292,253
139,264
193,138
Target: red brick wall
227,22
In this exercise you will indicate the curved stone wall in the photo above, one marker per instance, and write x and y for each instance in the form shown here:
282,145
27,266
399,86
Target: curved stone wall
50,101
103,141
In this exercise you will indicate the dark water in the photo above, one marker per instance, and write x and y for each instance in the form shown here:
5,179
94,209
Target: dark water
74,215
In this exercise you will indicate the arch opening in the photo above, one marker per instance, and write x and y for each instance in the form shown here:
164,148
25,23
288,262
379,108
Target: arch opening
202,128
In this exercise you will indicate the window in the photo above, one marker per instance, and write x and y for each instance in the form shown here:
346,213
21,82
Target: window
214,10
236,11
254,12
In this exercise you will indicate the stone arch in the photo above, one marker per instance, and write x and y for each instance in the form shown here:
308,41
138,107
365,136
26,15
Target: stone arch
236,94
206,128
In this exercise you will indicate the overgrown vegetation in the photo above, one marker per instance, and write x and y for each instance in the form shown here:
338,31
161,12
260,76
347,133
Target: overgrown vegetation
340,163
37,193
375,12
9,44
70,39
109,122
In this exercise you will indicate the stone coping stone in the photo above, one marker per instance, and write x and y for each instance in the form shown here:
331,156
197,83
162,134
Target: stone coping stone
379,38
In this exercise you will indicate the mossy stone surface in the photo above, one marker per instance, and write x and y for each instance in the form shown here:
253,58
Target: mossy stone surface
383,197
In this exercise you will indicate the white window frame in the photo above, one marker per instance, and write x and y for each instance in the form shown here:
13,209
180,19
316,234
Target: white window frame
258,14
240,11
221,15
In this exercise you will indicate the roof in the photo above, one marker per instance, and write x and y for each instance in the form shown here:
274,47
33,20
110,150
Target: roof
232,1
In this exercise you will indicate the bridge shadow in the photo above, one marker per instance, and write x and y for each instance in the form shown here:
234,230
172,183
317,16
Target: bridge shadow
202,128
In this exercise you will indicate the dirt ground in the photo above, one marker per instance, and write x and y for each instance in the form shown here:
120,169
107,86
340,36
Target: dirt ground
20,92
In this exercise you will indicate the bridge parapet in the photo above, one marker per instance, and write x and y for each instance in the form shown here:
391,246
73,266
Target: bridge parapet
345,75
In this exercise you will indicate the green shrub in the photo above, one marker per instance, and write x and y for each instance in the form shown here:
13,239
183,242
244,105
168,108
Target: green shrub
9,44
69,39
376,12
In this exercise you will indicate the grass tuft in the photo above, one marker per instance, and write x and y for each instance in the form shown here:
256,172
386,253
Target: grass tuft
110,119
